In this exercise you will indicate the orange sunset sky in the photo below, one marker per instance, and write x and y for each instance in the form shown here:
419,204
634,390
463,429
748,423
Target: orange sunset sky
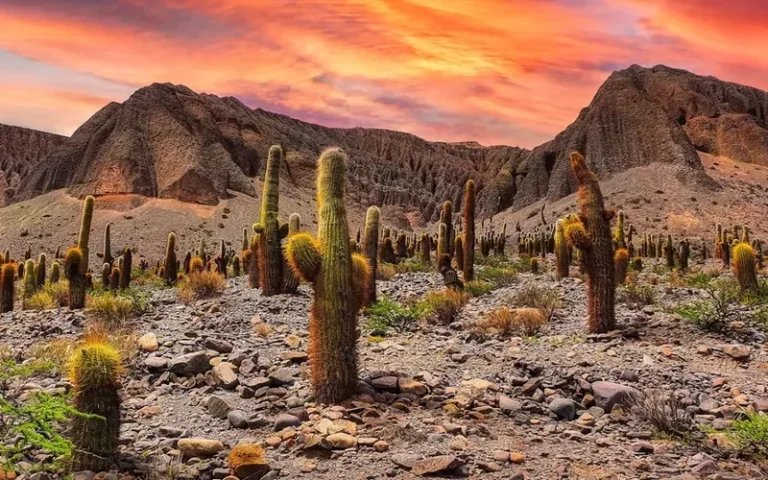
497,71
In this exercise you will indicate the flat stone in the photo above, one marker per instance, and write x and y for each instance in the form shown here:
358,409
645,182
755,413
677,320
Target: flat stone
238,419
225,376
437,464
563,408
218,407
340,441
190,364
284,421
509,405
608,394
199,447
409,385
294,356
405,460
220,346
156,363
283,376
738,351
386,384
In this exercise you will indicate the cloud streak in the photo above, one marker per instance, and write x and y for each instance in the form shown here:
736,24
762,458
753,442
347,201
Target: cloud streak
487,70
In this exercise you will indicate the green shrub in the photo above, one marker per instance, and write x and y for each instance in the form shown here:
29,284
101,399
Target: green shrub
116,308
387,313
498,276
713,313
750,435
637,296
546,299
478,288
443,306
413,266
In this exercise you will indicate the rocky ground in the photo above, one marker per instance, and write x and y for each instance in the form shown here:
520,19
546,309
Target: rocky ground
438,400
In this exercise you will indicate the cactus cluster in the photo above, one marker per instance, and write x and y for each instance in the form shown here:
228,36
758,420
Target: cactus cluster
340,280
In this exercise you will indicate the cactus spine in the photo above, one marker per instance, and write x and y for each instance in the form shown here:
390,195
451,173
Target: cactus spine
469,231
744,267
562,260
339,279
290,279
85,232
370,248
270,252
592,236
170,270
95,375
73,260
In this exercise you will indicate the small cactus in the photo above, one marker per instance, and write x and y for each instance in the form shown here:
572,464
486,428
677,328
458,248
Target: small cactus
684,252
618,236
446,217
370,247
637,264
40,270
562,254
534,265
77,282
55,271
106,271
459,249
236,266
7,283
621,265
469,231
108,245
170,270
114,278
669,252
339,279
30,280
744,267
85,232
125,269
442,244
95,370
387,251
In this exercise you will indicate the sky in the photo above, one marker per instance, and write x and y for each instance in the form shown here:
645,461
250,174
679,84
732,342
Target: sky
512,72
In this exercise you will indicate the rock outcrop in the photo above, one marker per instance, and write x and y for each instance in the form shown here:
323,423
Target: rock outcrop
21,150
167,141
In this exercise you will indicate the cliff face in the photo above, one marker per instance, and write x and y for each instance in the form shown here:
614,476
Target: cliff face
21,151
167,141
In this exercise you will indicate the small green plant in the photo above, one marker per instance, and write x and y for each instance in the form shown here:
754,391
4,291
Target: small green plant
637,296
444,305
387,313
412,266
113,308
478,288
498,276
748,435
713,313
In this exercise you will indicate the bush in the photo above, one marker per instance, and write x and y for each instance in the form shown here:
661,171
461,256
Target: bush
386,314
443,307
665,412
385,271
714,313
637,296
478,288
505,321
113,310
546,299
199,285
40,300
750,434
412,266
498,276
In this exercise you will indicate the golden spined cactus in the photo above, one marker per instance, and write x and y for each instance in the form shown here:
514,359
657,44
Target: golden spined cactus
270,251
170,268
106,272
683,254
55,271
290,280
534,265
30,280
370,248
442,243
618,235
41,268
77,281
7,284
744,267
446,217
125,269
108,244
459,249
469,231
85,232
592,236
621,265
95,370
196,265
339,280
248,461
669,252
562,254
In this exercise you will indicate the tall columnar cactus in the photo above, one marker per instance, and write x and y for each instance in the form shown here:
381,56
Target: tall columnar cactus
95,370
290,279
55,271
370,248
684,252
669,252
446,217
562,260
621,265
618,236
459,249
270,251
469,231
339,279
387,251
201,251
592,236
78,284
126,267
442,242
41,270
425,246
725,253
185,265
85,232
30,280
744,266
252,258
170,269
745,234
7,283
106,271
534,265
246,240
222,259
108,244
718,241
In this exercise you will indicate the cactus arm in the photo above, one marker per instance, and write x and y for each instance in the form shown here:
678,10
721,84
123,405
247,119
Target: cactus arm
361,271
577,236
303,254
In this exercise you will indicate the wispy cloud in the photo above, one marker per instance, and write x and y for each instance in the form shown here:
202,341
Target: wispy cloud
489,70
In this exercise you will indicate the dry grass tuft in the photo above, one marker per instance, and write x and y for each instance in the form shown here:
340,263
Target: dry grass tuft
443,306
260,329
385,271
506,321
201,285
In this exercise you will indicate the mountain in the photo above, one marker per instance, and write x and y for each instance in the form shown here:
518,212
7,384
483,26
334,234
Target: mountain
167,141
21,150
